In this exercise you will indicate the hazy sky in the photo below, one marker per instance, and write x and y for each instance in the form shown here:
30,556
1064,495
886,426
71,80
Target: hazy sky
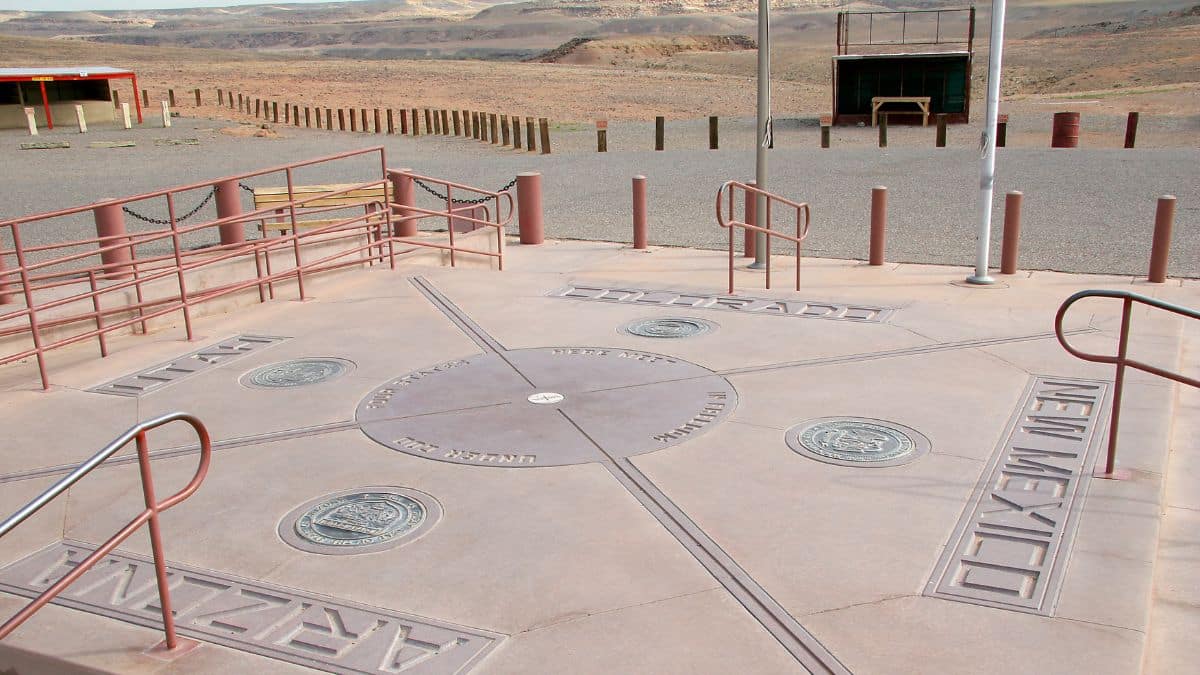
51,5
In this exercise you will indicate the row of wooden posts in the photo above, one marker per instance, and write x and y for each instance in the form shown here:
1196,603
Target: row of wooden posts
493,128
660,125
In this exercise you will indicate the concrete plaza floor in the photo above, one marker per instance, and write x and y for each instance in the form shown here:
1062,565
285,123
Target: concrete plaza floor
597,501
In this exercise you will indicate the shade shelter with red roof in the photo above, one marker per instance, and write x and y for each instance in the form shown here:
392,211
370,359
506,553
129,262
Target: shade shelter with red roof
54,91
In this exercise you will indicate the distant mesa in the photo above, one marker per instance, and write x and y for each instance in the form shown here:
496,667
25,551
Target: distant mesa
590,51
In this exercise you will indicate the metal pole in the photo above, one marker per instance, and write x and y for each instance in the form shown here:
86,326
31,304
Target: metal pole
764,127
987,170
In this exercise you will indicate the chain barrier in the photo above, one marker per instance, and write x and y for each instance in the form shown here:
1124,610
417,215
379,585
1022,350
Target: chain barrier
178,219
481,200
247,188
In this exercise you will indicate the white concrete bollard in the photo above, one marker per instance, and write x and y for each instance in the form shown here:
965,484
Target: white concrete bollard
125,116
82,120
32,122
166,113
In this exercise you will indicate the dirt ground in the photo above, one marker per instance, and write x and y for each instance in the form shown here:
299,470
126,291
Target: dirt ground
1155,71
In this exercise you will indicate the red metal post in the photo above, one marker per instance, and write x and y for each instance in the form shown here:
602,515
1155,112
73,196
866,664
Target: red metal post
160,563
110,226
5,286
639,212
529,204
46,107
878,224
229,204
1160,250
750,241
1110,465
136,101
1131,125
405,191
1012,232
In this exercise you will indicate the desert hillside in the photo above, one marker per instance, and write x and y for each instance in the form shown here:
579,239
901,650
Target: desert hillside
609,58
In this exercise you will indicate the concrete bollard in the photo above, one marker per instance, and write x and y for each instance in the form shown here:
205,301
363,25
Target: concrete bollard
353,120
404,189
403,122
660,133
601,135
476,134
229,204
640,228
416,122
1012,232
714,140
31,120
197,93
494,123
456,118
166,115
878,224
378,125
391,122
750,238
545,125
145,98
483,127
125,118
110,227
341,120
329,119
437,123
530,143
308,118
1160,249
1131,125
171,97
428,121
275,112
516,130
362,116
529,207
221,97
445,123
883,119
941,130
79,117
505,131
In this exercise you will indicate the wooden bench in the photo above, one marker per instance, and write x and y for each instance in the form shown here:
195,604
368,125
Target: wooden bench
921,102
368,198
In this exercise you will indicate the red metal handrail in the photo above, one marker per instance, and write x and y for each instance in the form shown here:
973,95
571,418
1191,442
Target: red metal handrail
149,515
1121,360
803,220
77,276
408,213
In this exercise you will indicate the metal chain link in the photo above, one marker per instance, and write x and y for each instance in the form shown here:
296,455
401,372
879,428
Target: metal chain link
156,221
247,188
481,200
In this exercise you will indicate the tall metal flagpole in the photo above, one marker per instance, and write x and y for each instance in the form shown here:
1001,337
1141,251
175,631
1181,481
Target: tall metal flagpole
987,171
764,127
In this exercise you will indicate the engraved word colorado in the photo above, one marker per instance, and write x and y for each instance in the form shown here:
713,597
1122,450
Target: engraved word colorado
737,303
1009,548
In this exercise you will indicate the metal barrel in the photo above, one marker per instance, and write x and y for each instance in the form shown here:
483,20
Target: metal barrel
1066,130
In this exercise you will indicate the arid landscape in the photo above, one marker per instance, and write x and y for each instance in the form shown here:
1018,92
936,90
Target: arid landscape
576,61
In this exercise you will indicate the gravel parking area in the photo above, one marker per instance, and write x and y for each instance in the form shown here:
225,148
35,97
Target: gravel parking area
1086,210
